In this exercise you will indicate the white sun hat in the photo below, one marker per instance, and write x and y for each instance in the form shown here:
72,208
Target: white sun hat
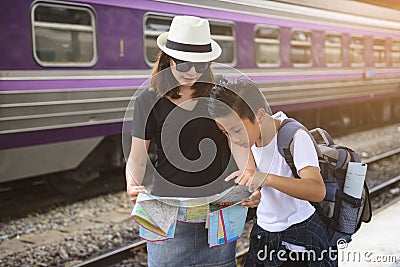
189,39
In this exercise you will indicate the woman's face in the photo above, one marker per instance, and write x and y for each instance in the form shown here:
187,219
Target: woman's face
187,78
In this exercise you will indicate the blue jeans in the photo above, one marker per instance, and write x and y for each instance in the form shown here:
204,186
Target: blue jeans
190,247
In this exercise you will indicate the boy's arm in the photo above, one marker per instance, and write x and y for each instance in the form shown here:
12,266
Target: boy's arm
310,187
243,157
245,161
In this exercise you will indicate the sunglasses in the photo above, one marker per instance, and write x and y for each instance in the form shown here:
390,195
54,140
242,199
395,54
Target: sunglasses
184,66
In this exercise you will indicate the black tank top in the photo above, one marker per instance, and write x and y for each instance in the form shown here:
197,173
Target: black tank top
193,156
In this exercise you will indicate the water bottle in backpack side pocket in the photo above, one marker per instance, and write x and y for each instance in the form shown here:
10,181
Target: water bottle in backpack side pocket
355,177
351,197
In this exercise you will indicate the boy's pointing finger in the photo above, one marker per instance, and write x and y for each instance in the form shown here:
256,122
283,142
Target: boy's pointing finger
232,175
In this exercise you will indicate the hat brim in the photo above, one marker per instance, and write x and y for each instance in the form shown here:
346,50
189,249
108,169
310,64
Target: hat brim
189,56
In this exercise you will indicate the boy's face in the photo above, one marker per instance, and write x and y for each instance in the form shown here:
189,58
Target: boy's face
242,132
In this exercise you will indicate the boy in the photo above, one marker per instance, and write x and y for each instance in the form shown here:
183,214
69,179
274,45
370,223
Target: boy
288,231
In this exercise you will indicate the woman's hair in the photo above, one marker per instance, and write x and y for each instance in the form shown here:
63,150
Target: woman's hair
243,97
165,84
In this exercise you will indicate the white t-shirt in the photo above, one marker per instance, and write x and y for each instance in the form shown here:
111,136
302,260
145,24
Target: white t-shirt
277,211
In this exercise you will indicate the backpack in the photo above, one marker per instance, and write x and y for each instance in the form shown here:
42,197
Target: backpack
341,213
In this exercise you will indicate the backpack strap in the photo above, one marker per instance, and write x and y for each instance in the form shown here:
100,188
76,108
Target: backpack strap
286,133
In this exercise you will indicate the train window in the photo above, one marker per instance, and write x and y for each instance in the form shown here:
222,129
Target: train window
301,48
154,26
267,45
222,32
63,35
379,49
396,53
357,51
333,50
225,35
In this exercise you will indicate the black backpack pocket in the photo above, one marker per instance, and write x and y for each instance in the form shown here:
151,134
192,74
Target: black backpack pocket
346,212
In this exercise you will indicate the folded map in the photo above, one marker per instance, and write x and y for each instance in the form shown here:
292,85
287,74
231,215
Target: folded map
223,216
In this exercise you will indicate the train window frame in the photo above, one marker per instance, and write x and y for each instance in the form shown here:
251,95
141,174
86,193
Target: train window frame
301,65
65,26
340,46
232,39
351,46
374,47
258,40
397,50
212,22
152,33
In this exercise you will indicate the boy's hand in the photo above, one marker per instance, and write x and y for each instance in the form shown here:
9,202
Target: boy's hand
255,199
243,176
249,178
134,190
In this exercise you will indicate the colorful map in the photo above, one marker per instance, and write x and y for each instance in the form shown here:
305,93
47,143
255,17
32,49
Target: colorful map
223,216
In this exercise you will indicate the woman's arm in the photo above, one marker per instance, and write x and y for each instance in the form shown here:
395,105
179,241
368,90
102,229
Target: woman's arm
136,167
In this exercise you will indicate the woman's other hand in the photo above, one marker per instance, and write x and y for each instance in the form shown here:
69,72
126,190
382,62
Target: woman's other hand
134,190
255,199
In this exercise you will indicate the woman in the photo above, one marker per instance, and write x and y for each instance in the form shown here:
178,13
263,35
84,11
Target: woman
193,156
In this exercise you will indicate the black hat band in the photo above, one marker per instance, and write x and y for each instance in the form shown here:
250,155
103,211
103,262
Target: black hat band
188,47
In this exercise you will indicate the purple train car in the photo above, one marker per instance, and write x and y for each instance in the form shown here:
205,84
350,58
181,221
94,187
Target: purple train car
68,69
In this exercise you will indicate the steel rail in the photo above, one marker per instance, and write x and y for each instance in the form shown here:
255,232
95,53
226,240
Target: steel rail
114,256
381,156
376,189
388,183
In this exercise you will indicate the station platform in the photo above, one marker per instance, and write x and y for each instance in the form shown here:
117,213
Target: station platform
377,243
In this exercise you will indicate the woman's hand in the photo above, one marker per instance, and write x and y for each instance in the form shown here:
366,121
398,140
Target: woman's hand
255,199
134,190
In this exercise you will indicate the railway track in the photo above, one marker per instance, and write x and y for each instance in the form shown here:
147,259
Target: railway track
376,190
29,190
389,183
117,256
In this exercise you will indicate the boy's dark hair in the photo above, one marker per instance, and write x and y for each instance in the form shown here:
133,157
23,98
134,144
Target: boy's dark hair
242,96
